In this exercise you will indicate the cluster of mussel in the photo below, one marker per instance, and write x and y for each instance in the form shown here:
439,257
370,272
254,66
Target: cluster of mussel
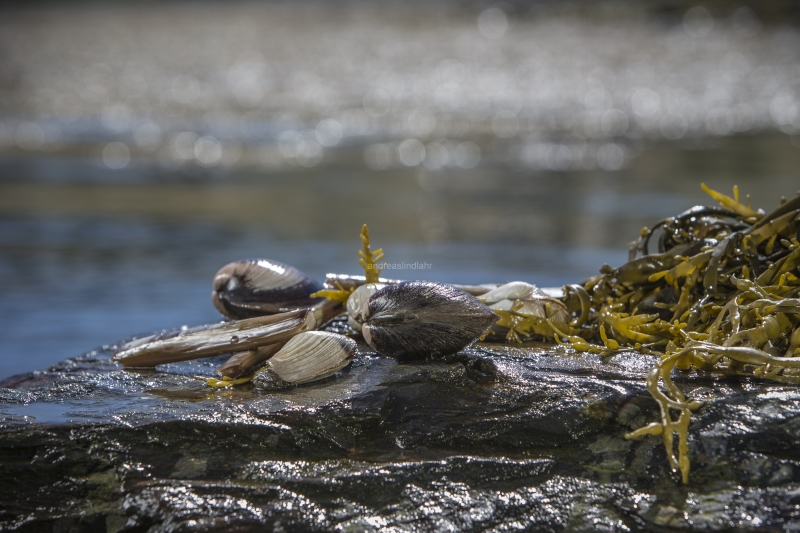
720,294
277,314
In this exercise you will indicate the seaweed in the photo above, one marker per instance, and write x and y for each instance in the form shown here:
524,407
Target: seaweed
720,296
368,261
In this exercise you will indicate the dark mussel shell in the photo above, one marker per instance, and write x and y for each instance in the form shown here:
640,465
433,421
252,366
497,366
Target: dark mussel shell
257,287
421,319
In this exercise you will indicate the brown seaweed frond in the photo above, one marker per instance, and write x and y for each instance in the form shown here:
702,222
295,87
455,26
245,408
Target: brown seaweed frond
720,294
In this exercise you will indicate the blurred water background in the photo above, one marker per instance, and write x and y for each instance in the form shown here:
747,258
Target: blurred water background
145,145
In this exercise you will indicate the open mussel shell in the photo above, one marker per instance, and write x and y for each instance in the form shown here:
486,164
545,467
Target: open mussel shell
421,319
256,287
307,357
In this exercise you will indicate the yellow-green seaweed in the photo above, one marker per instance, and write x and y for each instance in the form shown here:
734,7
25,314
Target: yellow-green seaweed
368,261
736,311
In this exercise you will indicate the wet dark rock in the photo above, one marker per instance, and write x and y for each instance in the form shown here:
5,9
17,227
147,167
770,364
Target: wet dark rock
495,437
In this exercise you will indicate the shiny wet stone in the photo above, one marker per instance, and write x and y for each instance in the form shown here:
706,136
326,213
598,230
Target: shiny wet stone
495,438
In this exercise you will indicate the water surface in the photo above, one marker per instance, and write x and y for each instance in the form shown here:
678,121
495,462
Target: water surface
143,147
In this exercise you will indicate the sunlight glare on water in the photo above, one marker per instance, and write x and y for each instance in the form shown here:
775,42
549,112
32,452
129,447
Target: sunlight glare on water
142,147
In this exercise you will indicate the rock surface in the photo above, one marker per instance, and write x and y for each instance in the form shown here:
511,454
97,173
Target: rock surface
495,438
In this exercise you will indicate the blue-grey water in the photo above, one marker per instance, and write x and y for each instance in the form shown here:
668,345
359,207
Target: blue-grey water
72,285
142,147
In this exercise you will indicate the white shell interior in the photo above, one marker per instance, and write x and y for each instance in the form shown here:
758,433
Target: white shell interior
356,302
514,290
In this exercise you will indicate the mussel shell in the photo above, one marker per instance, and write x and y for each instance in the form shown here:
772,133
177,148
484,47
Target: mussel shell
214,339
421,319
307,357
256,287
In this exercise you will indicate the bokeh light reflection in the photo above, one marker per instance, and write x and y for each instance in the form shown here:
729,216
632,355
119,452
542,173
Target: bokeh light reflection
268,75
